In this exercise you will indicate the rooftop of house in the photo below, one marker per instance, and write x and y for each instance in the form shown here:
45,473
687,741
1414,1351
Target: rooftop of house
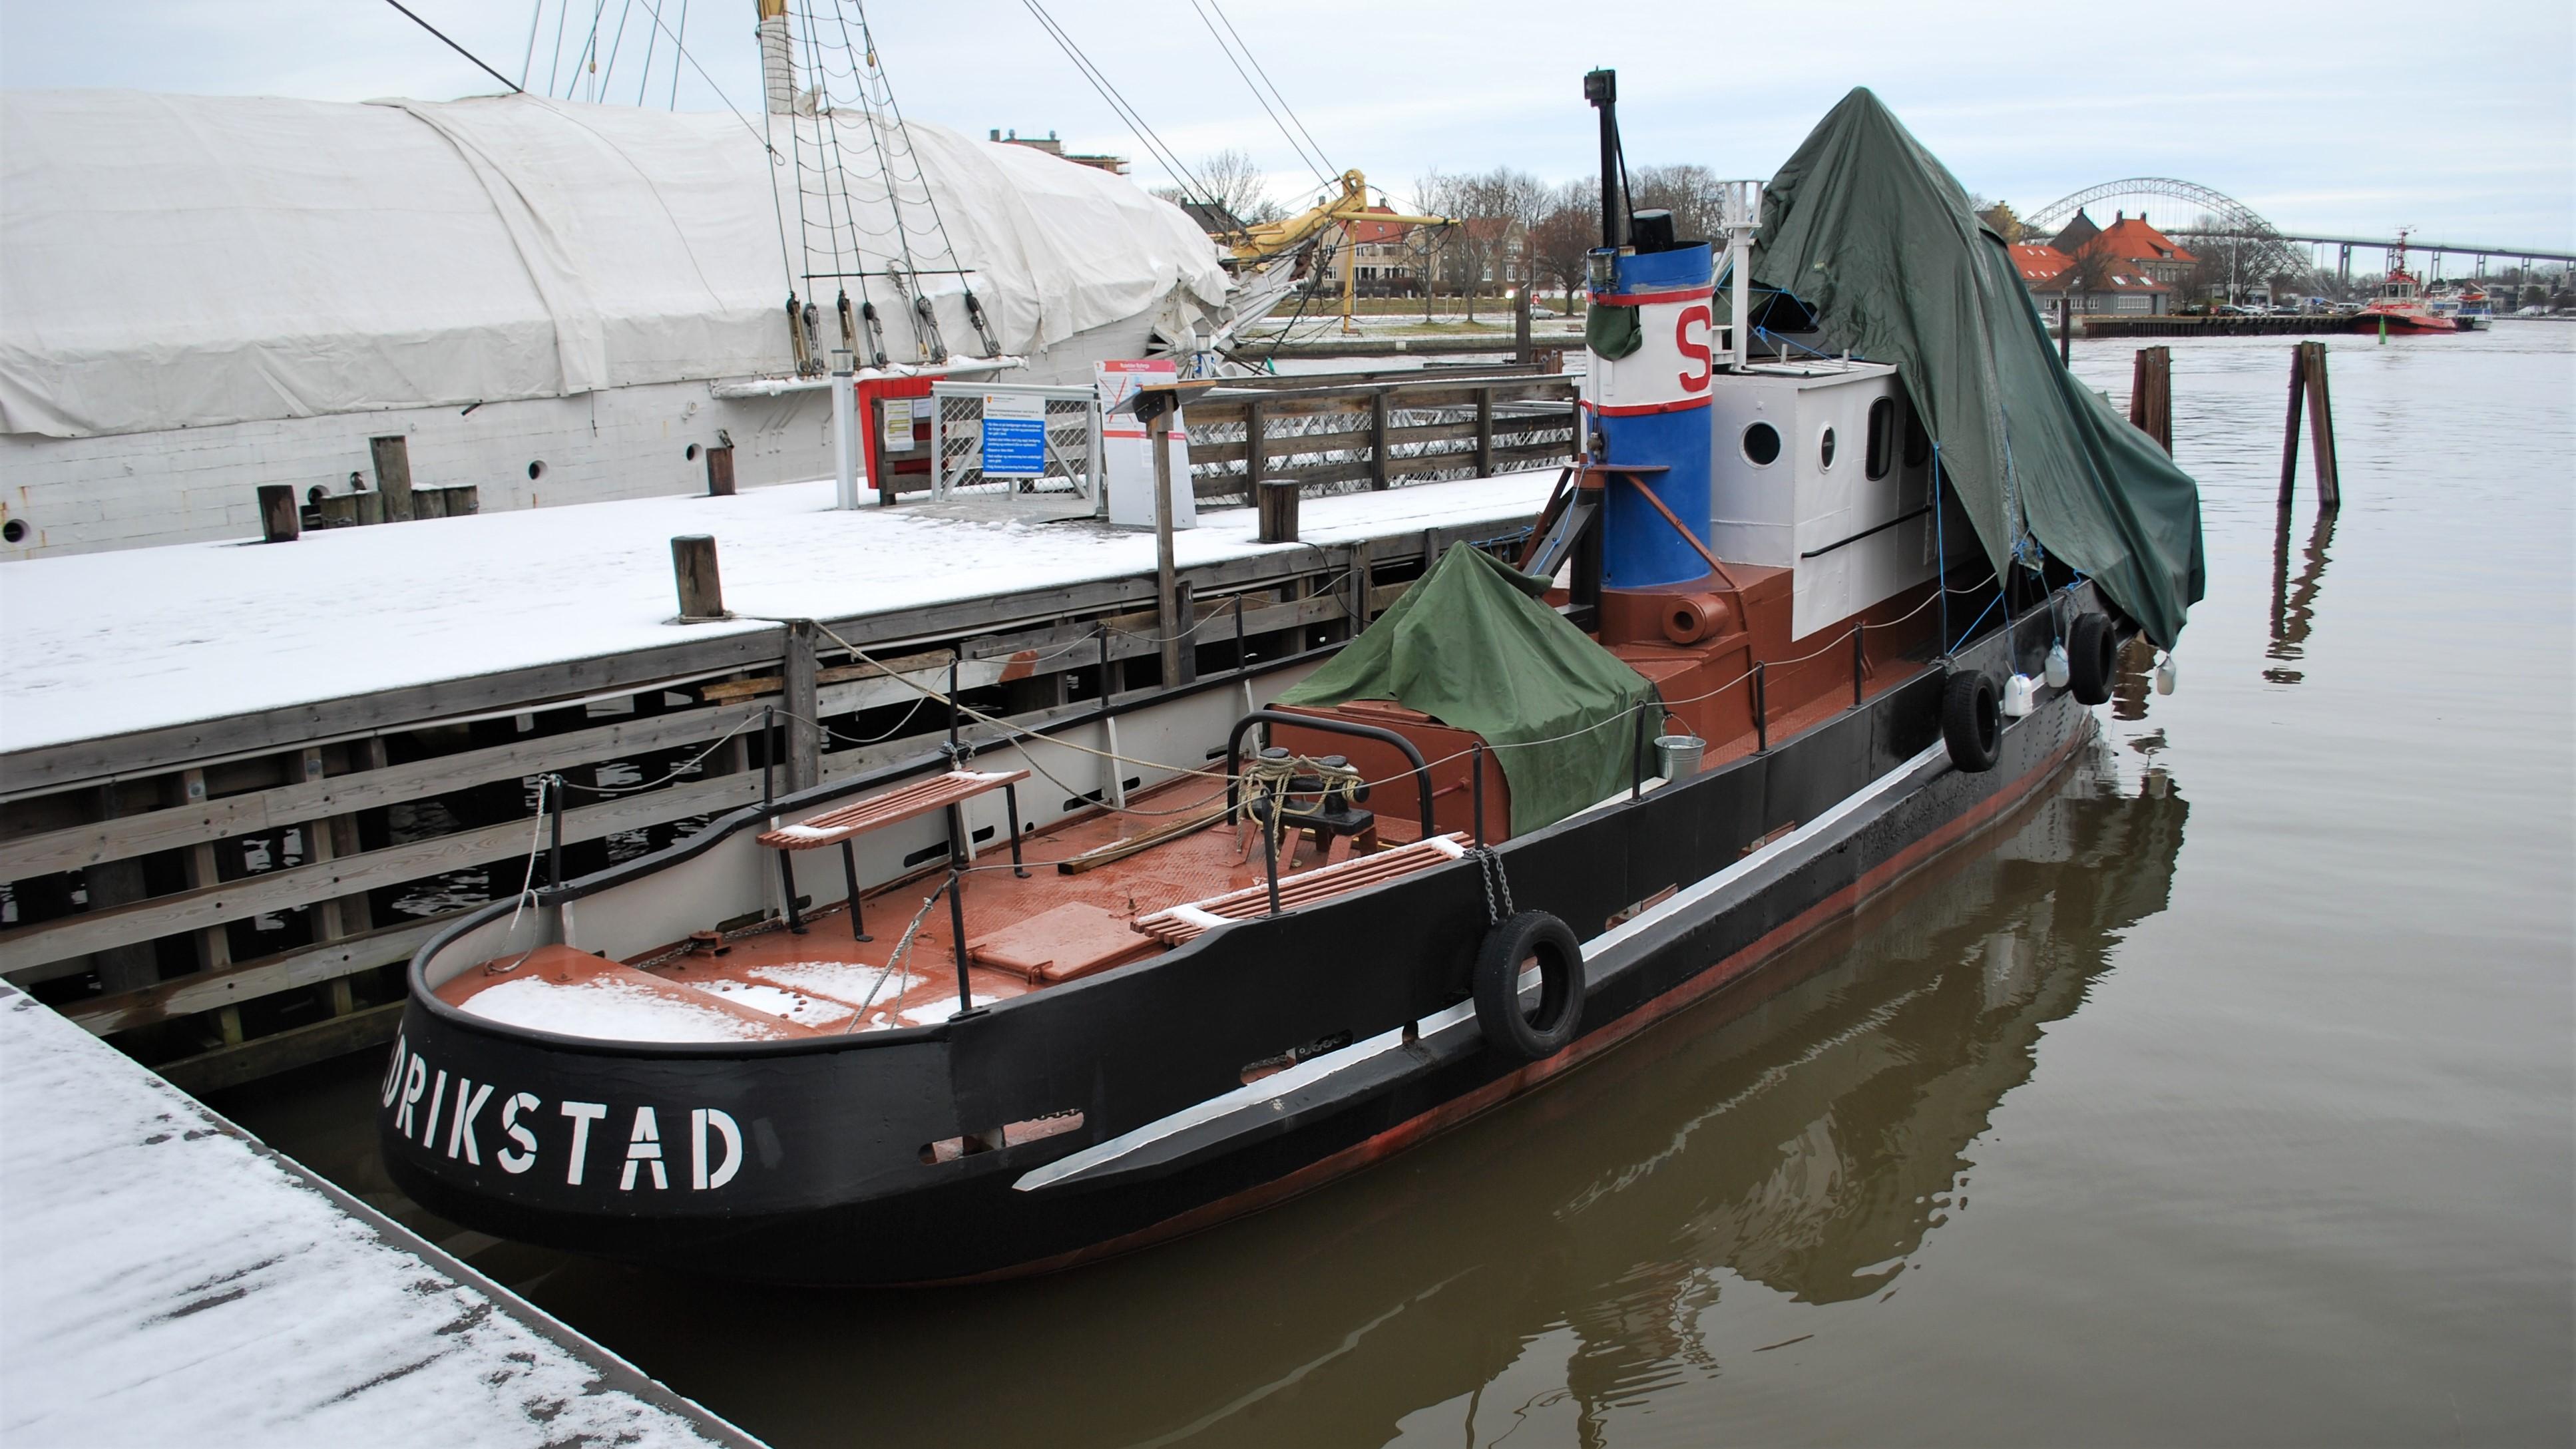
2038,261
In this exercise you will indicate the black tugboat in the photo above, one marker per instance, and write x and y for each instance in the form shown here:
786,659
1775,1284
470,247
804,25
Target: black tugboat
1795,623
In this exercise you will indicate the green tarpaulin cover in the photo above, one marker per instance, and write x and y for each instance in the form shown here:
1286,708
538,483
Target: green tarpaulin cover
1864,226
1471,645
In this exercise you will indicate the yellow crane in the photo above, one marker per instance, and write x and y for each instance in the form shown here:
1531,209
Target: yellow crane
1267,241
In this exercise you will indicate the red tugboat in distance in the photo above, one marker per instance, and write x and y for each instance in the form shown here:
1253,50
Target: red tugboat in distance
2400,304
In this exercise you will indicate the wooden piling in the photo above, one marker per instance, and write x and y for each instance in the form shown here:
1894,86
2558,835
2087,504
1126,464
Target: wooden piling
1521,327
280,521
801,700
1256,449
2308,390
428,503
720,471
369,507
1377,439
693,573
2151,395
1277,500
392,457
464,499
1484,432
338,510
2065,332
2321,429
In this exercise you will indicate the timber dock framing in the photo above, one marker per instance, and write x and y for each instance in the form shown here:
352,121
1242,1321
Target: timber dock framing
233,802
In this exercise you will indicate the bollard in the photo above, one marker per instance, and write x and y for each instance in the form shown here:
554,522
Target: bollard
279,519
392,457
1277,498
693,571
720,471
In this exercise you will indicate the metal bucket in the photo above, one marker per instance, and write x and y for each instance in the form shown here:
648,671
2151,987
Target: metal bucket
1677,756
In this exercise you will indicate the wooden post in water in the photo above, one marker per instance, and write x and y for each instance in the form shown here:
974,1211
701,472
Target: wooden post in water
2321,428
1484,432
1521,326
392,457
2308,389
1256,450
428,503
370,507
2151,395
720,471
693,572
1277,501
802,703
463,499
279,519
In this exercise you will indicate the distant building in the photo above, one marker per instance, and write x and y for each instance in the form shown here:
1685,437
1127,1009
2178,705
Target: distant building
2130,239
1388,259
2132,266
1114,165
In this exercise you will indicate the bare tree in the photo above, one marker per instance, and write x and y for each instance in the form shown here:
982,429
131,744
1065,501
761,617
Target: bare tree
1560,244
1690,192
1234,181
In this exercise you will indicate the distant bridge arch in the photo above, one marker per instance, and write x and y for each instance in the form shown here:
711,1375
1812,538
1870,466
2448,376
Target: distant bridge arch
2231,216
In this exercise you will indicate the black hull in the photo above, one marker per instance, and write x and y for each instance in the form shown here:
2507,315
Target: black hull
815,1173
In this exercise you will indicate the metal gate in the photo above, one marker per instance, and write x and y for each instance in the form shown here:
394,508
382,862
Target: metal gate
1071,455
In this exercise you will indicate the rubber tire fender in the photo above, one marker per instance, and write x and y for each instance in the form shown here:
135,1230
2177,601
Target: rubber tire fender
1972,721
2092,658
1498,982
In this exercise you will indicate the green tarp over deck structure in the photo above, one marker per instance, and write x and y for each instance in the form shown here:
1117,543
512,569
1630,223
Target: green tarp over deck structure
1471,645
1867,228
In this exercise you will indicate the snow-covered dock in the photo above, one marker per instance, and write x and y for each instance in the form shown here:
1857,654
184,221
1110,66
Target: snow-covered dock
241,782
171,1281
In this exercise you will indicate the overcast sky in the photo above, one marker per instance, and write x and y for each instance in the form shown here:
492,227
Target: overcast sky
2458,119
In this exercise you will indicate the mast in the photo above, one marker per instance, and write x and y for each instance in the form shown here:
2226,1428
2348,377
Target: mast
777,59
1601,88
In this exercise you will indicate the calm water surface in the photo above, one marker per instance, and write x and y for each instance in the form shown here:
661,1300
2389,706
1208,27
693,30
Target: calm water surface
2224,1097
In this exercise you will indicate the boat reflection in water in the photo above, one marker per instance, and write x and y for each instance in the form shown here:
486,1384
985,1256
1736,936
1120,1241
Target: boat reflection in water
1809,1144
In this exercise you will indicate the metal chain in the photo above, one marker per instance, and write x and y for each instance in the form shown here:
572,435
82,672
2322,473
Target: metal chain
1490,866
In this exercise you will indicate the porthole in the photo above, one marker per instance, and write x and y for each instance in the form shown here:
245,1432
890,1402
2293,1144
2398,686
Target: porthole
693,452
1882,440
536,470
14,531
1761,445
1825,450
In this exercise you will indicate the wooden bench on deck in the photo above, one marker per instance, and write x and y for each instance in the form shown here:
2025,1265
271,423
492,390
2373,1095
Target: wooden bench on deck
1177,925
910,802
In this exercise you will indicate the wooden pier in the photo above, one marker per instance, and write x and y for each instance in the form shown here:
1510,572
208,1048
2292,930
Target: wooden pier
174,1281
2301,324
221,862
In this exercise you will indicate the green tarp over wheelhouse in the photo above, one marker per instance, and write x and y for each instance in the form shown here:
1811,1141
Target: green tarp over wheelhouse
1471,645
1867,228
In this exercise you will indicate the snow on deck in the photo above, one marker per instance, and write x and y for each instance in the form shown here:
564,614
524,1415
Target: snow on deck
107,643
170,1281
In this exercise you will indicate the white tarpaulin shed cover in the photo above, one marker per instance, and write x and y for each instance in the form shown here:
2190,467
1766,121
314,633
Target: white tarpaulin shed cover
171,261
